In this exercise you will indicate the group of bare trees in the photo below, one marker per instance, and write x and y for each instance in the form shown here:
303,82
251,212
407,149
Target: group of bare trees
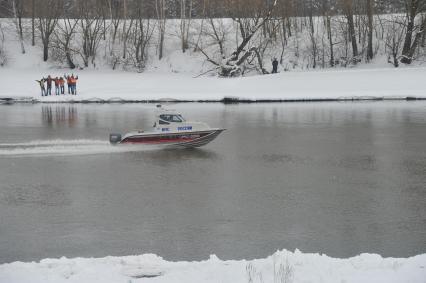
234,36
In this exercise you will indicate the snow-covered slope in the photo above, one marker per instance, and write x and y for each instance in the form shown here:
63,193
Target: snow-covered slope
176,77
284,266
104,84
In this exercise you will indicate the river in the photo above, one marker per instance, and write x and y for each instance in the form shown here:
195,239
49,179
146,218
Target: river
334,178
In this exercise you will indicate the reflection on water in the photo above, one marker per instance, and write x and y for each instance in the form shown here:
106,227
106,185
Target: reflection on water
175,155
59,115
34,194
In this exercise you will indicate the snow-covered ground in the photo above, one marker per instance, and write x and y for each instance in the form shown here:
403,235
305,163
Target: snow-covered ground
283,266
106,84
176,77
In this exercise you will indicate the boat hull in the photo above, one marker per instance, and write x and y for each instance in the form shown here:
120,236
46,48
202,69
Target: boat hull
176,139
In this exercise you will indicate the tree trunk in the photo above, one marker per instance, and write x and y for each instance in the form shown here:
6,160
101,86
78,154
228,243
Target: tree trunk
124,28
352,35
370,30
160,7
416,42
348,9
68,55
69,60
406,59
330,39
314,44
160,48
18,25
412,10
32,23
45,51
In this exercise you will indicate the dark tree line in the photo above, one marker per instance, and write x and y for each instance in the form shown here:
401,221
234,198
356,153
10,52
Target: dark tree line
215,8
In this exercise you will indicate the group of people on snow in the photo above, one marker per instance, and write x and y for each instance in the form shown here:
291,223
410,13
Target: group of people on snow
59,83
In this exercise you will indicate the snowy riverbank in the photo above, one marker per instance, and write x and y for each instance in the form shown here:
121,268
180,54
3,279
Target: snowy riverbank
283,266
106,85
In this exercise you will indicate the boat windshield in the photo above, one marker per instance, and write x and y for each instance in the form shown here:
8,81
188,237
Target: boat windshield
172,118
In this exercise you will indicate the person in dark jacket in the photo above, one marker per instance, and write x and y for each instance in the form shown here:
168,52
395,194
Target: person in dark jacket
274,66
42,88
49,85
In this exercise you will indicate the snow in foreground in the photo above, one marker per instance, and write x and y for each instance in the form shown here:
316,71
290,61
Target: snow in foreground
110,85
283,266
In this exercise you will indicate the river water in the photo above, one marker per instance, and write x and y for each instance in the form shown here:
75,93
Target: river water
334,178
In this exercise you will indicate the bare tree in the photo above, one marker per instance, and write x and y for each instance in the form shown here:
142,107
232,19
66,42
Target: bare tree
14,9
33,22
17,10
91,30
349,13
201,28
230,65
3,55
312,35
140,36
185,22
413,9
369,9
47,20
160,8
215,35
64,35
126,29
326,12
114,23
394,38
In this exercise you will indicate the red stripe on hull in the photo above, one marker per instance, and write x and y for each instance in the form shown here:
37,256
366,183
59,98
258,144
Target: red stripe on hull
162,139
143,141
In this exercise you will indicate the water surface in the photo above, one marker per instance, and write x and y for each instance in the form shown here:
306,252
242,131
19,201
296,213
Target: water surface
335,178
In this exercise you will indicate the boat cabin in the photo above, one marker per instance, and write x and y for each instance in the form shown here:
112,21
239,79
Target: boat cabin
172,121
166,119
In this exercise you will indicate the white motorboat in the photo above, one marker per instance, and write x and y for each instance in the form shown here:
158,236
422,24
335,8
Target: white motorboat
170,129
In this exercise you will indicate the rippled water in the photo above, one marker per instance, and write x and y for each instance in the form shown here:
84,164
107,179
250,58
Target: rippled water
335,178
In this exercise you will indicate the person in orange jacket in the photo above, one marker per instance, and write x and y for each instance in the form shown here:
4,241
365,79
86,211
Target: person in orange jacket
74,84
56,80
69,84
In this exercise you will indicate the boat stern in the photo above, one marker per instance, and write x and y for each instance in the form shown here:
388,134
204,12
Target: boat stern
114,138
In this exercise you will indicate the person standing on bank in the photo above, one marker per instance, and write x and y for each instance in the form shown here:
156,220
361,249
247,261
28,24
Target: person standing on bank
56,80
69,84
274,66
42,88
61,84
74,84
49,85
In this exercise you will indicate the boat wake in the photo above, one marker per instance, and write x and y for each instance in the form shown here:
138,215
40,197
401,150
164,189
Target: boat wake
65,147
